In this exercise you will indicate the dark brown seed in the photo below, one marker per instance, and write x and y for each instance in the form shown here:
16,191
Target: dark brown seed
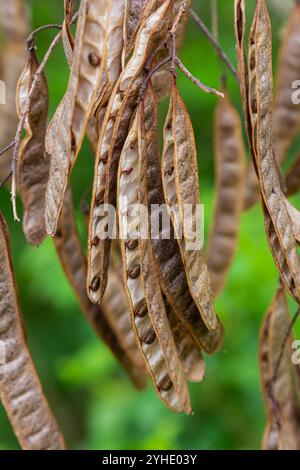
131,244
128,171
254,106
141,311
95,242
148,337
170,172
252,63
95,284
94,60
165,383
135,272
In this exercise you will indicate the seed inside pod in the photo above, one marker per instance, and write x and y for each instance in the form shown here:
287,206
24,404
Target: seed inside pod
95,284
94,59
95,242
148,337
131,244
141,311
254,106
165,383
252,63
135,272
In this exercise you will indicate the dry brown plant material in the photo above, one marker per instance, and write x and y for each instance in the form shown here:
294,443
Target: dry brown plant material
282,404
181,187
71,256
286,118
230,174
148,314
14,23
20,388
166,250
85,78
114,132
292,178
33,167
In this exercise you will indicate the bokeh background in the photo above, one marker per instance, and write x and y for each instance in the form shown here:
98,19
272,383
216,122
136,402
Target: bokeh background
96,406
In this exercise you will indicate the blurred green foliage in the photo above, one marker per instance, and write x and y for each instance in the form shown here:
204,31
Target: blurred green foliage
95,404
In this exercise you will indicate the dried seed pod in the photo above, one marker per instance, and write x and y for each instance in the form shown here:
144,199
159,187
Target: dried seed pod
14,25
67,38
85,78
33,167
114,132
152,330
162,79
20,388
286,118
117,314
188,351
71,256
181,187
165,247
230,172
135,12
283,429
112,57
293,178
277,219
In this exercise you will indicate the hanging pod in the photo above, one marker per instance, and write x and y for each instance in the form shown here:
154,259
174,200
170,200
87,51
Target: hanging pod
20,389
33,166
230,177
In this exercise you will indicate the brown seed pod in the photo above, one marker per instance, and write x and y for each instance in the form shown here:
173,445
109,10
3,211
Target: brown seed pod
33,167
190,355
277,219
181,188
283,429
141,282
67,38
85,78
71,256
135,12
114,132
292,178
286,118
20,388
162,79
14,25
166,251
230,173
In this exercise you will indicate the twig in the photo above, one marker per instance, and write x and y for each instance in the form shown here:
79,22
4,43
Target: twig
6,179
31,37
214,19
196,81
8,147
150,75
18,136
215,43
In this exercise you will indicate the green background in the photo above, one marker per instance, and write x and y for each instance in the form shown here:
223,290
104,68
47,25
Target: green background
95,404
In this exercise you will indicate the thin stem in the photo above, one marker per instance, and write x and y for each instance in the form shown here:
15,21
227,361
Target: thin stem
31,37
150,75
215,43
196,81
8,147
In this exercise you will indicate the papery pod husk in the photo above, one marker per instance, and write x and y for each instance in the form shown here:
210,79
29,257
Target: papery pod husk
114,131
148,315
162,79
279,227
135,12
286,117
283,426
76,107
230,177
20,389
14,23
33,167
292,178
67,38
181,175
166,251
72,259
